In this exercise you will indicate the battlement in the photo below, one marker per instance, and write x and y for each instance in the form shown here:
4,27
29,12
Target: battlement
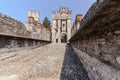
34,14
63,13
64,10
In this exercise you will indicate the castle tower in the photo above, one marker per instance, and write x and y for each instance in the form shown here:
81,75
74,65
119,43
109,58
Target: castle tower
78,20
61,25
35,15
33,21
76,25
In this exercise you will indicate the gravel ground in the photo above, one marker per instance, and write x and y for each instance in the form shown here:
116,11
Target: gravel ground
43,63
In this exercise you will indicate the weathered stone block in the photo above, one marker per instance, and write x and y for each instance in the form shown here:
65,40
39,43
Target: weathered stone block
96,69
118,59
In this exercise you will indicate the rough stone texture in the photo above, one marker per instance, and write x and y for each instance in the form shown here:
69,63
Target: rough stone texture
106,48
16,42
118,59
96,69
99,17
50,62
13,34
99,39
11,27
6,50
72,68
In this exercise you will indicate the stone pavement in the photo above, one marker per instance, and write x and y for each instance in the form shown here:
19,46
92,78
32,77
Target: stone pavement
50,62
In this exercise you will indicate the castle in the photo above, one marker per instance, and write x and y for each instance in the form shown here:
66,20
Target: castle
33,25
61,25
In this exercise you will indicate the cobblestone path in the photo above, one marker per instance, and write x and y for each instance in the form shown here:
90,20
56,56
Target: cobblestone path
50,62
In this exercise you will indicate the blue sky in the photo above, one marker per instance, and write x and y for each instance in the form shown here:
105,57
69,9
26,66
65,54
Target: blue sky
18,9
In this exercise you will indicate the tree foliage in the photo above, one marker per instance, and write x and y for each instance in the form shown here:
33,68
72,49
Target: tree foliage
46,23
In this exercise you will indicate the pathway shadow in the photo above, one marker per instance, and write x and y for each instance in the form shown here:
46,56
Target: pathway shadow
72,68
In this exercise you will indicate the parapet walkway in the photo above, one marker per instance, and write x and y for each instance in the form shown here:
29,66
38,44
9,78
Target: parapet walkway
50,62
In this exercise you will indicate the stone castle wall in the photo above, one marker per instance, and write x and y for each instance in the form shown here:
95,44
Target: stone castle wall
97,42
100,55
14,34
11,27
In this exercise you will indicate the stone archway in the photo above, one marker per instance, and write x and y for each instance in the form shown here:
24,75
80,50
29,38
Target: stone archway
63,38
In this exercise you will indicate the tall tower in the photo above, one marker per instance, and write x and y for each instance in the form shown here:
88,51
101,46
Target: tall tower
78,21
76,24
33,21
61,25
35,15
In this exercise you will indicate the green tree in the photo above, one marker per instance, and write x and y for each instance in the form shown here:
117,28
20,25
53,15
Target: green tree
46,23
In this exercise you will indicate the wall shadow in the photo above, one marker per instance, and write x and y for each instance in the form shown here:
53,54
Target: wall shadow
72,68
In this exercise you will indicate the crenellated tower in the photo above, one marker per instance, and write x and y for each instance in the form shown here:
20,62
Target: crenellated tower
61,25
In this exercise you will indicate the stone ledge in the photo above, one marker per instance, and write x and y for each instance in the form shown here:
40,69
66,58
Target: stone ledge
96,69
103,18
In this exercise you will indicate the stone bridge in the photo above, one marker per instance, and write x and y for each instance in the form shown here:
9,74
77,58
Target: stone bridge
93,52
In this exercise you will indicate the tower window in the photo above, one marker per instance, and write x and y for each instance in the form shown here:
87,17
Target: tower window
56,40
63,24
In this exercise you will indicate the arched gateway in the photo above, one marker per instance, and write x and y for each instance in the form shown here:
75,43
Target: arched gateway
61,25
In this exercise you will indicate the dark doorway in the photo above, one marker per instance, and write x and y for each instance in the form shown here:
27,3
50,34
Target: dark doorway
61,40
64,38
56,40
